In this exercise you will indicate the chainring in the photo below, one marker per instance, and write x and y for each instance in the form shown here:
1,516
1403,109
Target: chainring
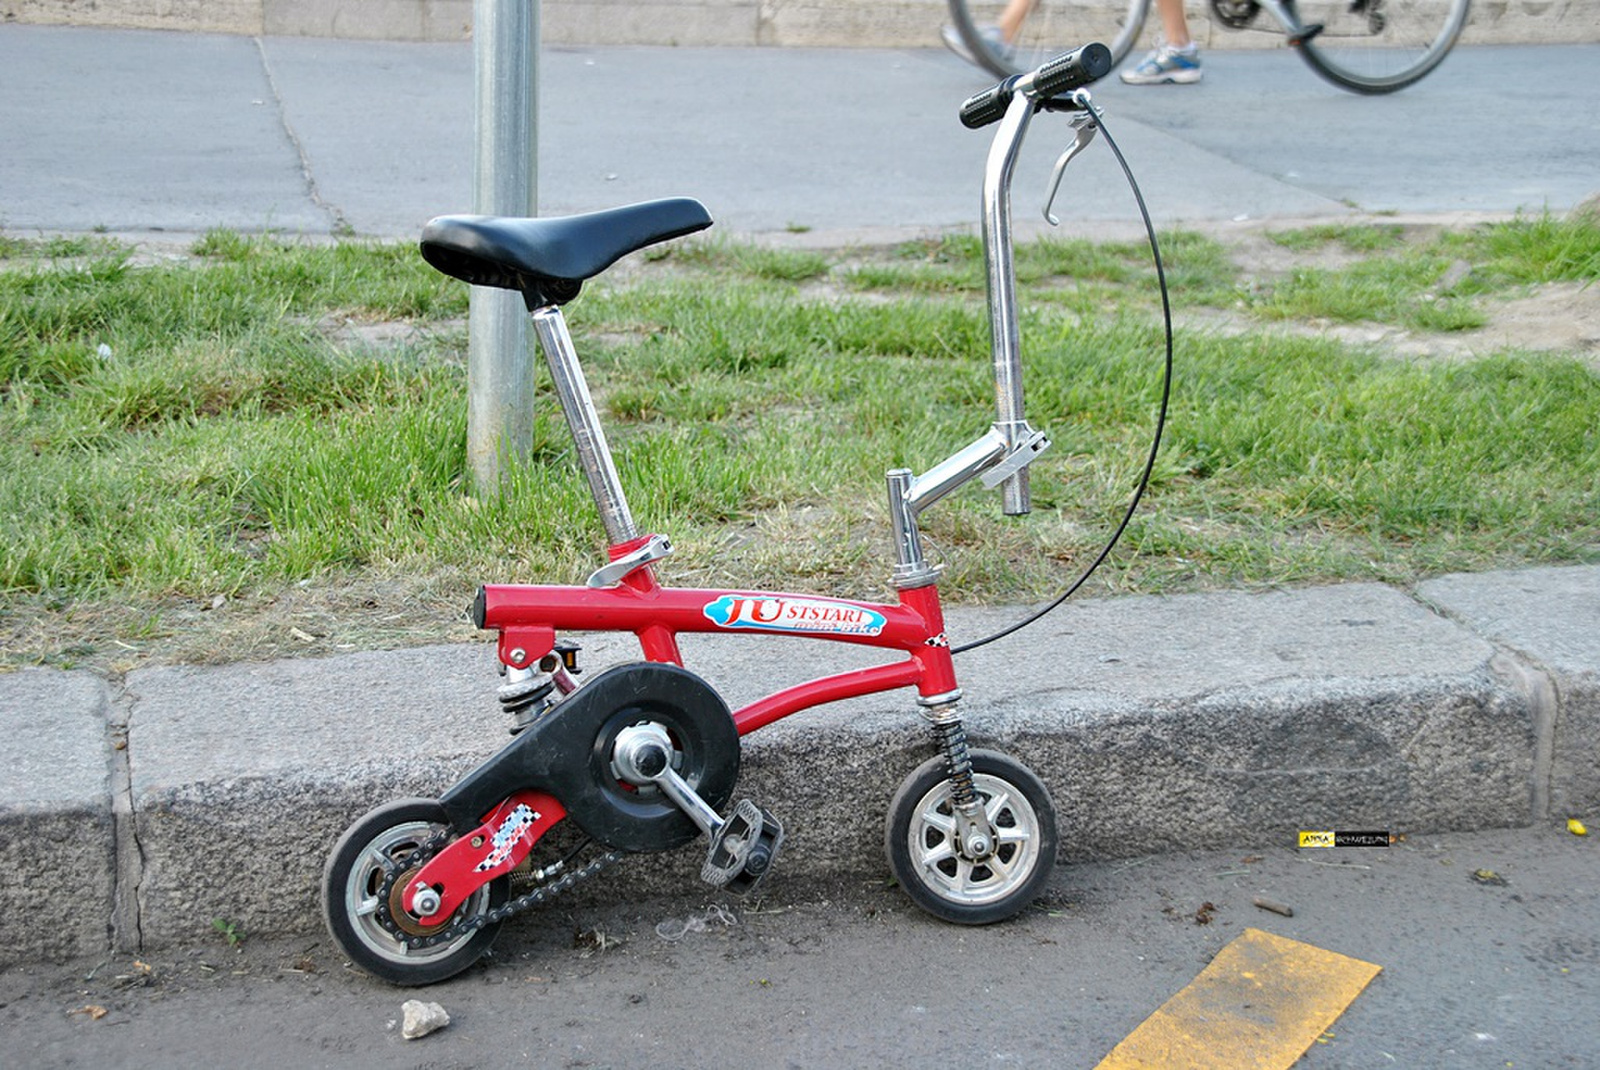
568,754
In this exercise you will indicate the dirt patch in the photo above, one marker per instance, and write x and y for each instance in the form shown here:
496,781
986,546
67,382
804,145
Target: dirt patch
1558,317
312,618
1561,316
365,333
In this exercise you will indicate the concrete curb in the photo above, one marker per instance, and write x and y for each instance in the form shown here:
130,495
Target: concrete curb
57,834
1550,629
1223,719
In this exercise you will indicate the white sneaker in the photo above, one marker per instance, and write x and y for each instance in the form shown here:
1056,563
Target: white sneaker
1165,66
956,43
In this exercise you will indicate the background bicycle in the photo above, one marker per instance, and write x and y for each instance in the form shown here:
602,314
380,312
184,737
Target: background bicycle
1365,46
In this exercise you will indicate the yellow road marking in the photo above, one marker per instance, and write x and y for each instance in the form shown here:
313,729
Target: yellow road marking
1260,1004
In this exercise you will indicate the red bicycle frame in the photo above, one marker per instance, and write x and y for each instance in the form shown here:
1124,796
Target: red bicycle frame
528,618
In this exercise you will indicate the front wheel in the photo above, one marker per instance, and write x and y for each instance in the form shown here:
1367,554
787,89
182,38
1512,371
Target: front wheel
934,866
385,840
1378,46
1048,28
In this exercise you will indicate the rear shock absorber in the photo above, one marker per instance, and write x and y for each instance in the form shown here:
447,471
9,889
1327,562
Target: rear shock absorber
528,693
525,696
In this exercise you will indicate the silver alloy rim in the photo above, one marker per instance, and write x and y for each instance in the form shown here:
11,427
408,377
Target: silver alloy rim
361,894
955,876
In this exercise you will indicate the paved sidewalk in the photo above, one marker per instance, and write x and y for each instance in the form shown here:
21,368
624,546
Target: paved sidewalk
787,24
147,133
178,795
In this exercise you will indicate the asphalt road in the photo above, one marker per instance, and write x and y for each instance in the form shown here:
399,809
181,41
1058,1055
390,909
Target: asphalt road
1475,974
135,131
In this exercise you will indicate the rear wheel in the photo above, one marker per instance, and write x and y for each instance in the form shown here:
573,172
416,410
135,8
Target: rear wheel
939,871
354,906
1050,28
1378,46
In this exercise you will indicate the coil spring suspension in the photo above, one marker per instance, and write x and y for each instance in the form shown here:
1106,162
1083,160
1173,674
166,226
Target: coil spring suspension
524,699
974,833
952,737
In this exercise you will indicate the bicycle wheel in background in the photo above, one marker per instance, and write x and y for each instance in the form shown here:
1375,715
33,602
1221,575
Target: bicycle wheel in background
1050,28
1378,46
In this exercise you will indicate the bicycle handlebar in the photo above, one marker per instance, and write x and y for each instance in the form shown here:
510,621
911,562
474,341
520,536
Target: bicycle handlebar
1068,71
1065,73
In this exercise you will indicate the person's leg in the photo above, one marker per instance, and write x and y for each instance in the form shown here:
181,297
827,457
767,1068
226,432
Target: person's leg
1176,61
1174,27
1001,35
1011,18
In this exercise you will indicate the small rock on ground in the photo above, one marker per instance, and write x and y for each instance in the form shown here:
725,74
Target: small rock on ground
422,1018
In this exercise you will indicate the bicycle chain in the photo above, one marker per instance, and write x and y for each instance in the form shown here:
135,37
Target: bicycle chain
423,854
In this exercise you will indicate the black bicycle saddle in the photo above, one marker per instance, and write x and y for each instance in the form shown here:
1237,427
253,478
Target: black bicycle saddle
548,259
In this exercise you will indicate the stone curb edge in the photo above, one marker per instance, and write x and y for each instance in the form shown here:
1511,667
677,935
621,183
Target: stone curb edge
145,813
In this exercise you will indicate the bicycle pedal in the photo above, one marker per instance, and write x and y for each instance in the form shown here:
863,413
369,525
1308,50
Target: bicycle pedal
743,849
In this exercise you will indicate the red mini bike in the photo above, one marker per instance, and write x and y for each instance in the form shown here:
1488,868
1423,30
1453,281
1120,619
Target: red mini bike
645,756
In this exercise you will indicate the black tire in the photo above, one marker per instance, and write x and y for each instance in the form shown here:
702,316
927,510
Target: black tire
1051,28
350,883
1381,45
927,860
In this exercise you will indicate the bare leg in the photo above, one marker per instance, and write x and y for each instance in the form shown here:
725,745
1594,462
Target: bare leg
1174,27
1176,62
1010,21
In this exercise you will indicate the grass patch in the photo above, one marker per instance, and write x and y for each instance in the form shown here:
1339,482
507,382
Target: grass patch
750,261
1531,250
211,433
1430,285
1355,238
1412,292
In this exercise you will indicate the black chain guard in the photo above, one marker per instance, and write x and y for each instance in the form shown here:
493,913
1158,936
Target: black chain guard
567,753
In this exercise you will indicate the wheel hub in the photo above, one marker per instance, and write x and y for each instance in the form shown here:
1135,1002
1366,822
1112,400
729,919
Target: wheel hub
401,914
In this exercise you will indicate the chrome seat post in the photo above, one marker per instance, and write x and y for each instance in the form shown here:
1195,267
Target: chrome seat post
594,456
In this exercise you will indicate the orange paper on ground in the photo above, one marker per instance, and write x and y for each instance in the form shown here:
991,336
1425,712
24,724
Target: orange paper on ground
1260,1004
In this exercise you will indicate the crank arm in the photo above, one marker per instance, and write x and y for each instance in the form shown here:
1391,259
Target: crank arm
493,849
643,755
743,845
1297,32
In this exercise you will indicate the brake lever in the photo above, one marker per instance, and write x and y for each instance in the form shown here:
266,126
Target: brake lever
1084,127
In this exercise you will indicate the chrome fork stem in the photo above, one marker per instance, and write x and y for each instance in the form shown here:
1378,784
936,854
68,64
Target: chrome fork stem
1005,336
584,420
911,569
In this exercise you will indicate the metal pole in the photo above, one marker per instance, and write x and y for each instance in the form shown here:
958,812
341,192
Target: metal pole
504,182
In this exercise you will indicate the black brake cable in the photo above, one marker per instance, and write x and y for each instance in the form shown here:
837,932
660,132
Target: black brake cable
1161,416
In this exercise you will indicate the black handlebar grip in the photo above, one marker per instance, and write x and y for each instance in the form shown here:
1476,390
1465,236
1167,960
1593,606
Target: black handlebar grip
987,107
1068,71
1072,70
